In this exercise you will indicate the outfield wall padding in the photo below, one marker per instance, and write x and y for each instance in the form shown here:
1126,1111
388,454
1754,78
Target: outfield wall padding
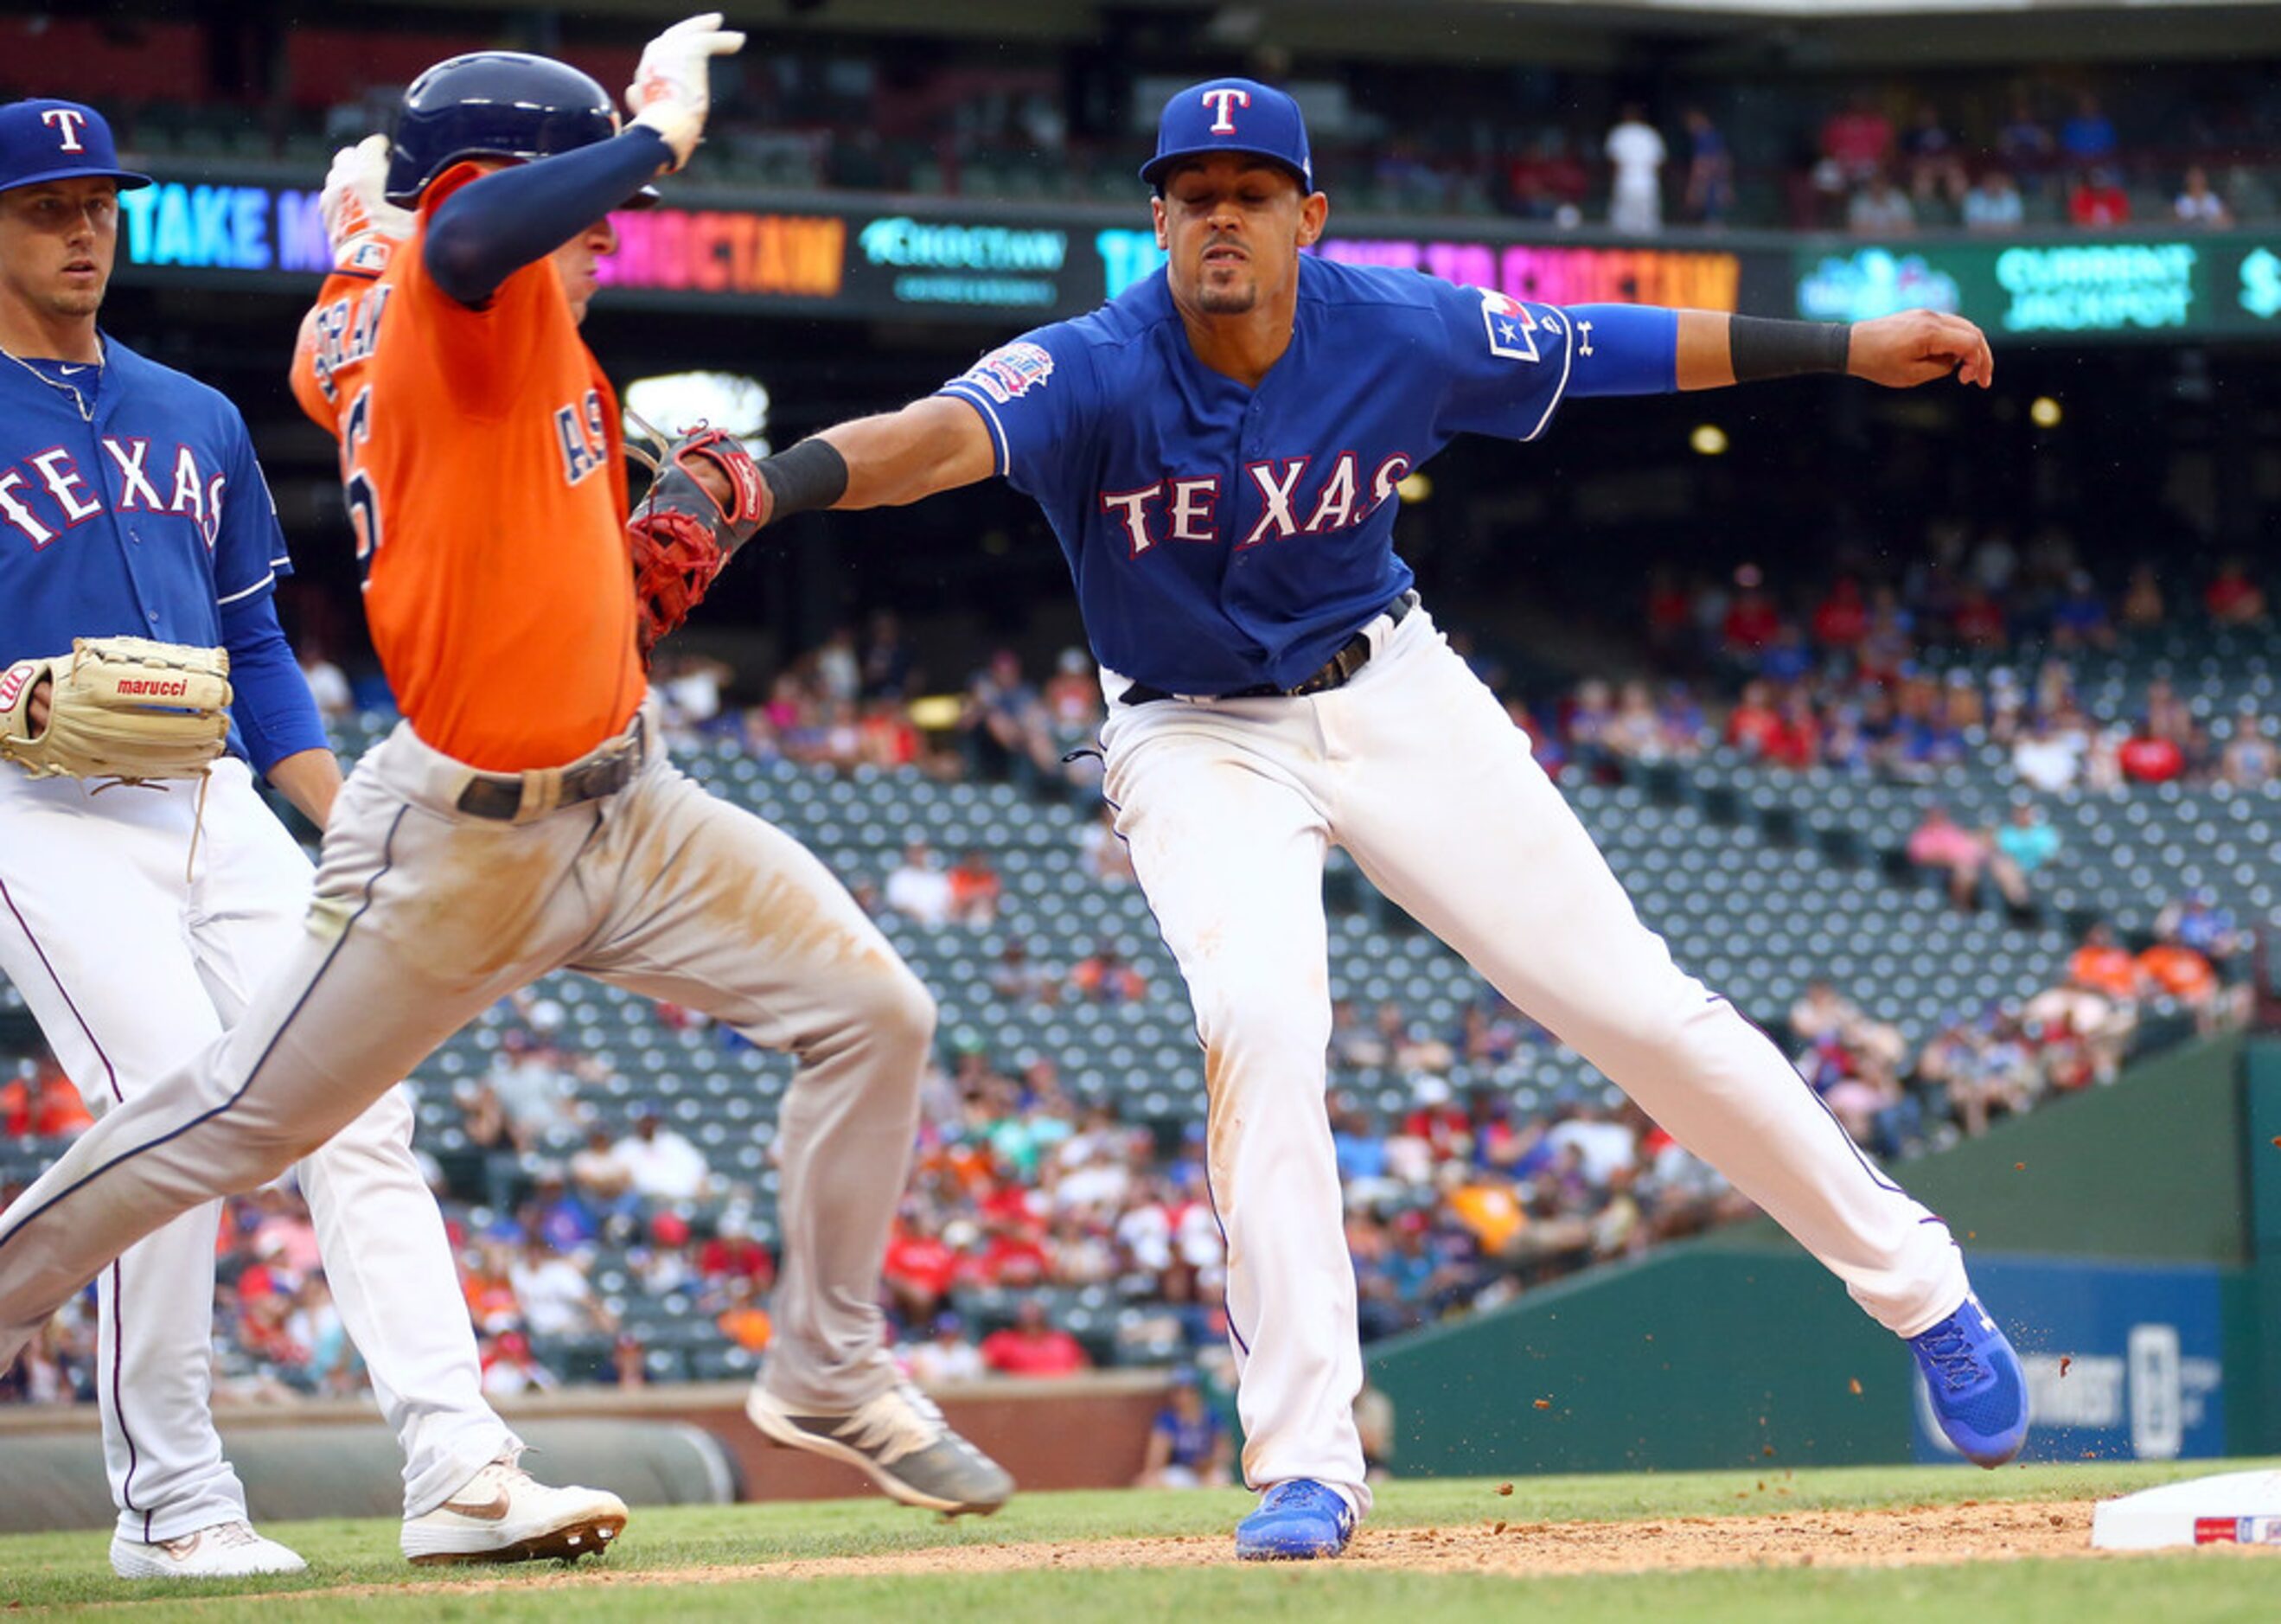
1739,1349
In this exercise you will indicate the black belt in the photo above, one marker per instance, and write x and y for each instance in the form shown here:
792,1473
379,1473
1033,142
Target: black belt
1335,672
500,795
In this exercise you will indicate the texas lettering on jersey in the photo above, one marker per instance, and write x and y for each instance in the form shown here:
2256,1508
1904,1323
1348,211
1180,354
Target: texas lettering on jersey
1187,508
48,494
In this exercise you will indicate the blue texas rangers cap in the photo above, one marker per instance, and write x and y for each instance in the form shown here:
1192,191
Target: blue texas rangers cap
1231,115
43,140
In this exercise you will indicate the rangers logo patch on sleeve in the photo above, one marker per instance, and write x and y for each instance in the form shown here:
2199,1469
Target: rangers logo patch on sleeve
1012,371
1512,329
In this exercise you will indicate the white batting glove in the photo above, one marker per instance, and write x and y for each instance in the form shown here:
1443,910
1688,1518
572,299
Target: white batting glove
672,89
355,209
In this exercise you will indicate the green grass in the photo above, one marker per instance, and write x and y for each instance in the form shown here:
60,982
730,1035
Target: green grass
68,1572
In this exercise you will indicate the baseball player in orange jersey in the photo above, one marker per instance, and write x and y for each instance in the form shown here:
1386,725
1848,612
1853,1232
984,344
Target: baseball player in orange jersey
137,924
524,818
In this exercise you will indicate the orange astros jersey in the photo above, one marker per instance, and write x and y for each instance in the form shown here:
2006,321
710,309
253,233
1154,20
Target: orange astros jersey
485,475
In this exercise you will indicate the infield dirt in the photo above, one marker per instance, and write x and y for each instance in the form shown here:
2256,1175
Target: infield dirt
1902,1537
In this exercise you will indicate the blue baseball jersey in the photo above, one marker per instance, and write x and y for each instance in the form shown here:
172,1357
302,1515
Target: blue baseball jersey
1223,537
142,521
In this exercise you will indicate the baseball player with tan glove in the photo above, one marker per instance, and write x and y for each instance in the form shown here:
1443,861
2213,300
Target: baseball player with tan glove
150,682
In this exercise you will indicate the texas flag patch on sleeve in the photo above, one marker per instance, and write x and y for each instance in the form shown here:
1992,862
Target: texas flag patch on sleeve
1012,371
1512,329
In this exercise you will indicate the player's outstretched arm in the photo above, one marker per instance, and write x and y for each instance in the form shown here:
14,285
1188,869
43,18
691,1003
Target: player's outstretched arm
938,443
1900,351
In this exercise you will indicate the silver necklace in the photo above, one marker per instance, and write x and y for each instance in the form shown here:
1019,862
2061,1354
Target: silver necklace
86,412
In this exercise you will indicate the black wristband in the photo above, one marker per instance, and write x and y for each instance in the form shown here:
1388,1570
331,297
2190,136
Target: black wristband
810,475
1762,347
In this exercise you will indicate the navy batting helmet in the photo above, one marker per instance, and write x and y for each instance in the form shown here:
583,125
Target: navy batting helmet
494,103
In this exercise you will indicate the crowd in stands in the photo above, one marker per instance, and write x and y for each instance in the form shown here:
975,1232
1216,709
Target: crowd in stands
1899,678
1020,1196
1989,148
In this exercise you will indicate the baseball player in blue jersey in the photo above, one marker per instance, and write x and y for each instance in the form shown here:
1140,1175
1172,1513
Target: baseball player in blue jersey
1219,451
136,920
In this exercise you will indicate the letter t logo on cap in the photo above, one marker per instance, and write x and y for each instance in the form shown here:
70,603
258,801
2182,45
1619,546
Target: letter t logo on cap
1220,100
69,118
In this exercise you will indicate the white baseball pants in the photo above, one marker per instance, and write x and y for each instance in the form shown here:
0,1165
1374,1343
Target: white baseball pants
132,968
423,915
1413,767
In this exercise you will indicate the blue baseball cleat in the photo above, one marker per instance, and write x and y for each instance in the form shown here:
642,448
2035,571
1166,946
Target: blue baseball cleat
1297,1521
1978,1394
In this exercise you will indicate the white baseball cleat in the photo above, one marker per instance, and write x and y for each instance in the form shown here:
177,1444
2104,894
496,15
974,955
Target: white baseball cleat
503,1514
225,1550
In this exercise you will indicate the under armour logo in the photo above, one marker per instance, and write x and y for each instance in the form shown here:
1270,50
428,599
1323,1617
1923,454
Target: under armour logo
68,119
1584,335
1220,100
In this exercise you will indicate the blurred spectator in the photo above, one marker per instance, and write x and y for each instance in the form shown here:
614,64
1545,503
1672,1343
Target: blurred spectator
2098,200
919,890
1033,1347
2049,756
1935,168
2088,138
2150,757
628,1361
2232,599
57,1110
974,891
2024,141
919,1267
2079,618
2196,921
1710,189
1993,203
733,1253
2251,758
604,1182
488,1285
946,1356
552,1294
2197,204
552,1215
1636,151
741,1318
885,736
1189,1446
1103,976
2029,842
664,1166
2175,969
1002,724
511,1368
1858,142
2102,965
1941,844
1018,979
2141,598
887,663
535,1088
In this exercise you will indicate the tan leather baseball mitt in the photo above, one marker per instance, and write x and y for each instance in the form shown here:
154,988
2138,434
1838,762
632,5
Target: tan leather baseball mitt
127,708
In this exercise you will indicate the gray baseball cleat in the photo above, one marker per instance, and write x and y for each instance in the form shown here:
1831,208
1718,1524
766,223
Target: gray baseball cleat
901,1439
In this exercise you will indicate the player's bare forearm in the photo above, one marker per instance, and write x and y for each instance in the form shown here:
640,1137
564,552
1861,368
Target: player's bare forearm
1704,358
310,779
933,444
1899,350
